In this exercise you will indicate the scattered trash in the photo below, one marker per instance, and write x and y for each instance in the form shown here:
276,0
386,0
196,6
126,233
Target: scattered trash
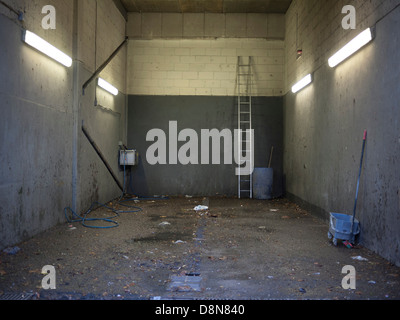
359,258
188,196
71,227
302,290
11,250
372,282
165,223
348,244
274,210
270,277
179,241
200,208
317,273
261,227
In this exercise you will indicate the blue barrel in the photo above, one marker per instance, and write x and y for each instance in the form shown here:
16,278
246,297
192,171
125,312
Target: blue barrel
263,179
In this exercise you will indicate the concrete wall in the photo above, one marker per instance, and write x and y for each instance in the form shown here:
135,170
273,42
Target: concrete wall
197,113
103,115
36,116
46,163
324,123
205,25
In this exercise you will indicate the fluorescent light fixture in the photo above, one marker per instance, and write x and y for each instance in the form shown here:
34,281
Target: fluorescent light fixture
353,46
302,83
106,86
43,46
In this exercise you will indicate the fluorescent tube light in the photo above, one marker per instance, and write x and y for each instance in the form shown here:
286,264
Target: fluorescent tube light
43,46
353,46
302,83
108,87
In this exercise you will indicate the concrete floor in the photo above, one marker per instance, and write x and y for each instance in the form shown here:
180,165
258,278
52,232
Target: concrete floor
237,250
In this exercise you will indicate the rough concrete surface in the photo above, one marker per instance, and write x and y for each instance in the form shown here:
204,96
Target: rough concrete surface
236,250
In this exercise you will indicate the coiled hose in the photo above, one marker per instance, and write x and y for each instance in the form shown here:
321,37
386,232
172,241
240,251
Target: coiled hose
74,217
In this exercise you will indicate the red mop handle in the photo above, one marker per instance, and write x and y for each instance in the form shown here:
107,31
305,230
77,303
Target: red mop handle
365,135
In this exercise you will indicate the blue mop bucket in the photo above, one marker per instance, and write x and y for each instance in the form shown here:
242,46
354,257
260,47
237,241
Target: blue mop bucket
342,226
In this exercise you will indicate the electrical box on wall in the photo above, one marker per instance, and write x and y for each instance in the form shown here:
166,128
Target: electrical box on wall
127,158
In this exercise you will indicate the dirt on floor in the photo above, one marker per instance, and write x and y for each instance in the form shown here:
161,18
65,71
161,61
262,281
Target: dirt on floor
237,249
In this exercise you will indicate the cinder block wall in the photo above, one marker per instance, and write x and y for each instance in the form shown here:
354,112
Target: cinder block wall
197,54
324,123
46,163
203,67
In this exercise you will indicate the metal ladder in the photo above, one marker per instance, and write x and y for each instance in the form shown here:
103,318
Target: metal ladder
244,86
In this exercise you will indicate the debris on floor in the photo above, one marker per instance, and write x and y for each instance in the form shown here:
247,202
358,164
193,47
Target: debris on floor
171,251
200,208
359,258
12,250
348,244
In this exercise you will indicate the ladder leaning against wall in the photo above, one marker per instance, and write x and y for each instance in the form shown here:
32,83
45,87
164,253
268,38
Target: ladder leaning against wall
245,143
